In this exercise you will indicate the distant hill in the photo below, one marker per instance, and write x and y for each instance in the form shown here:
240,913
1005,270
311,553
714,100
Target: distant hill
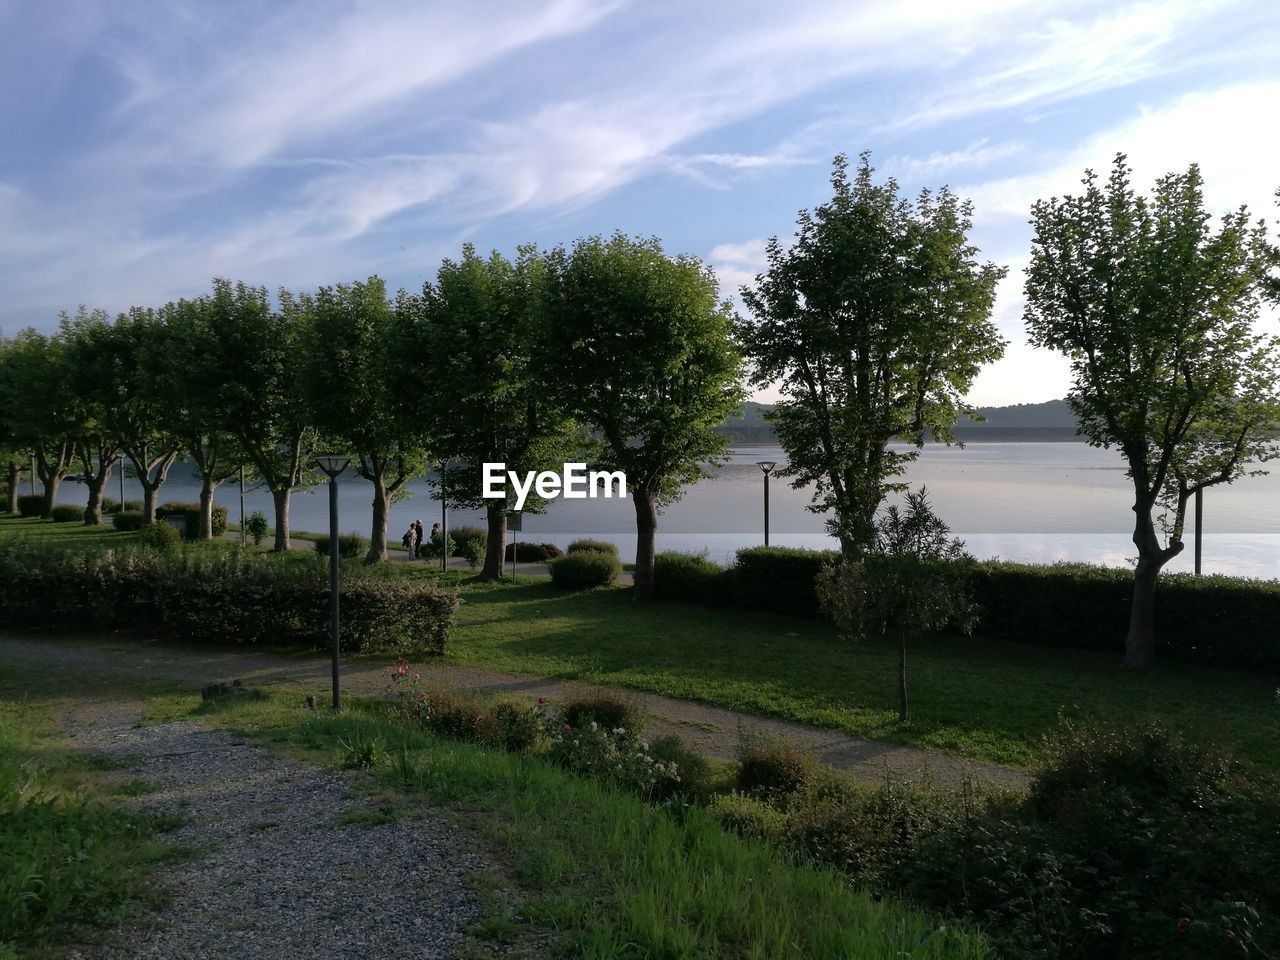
1052,420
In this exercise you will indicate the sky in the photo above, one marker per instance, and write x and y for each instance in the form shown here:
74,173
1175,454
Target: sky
148,147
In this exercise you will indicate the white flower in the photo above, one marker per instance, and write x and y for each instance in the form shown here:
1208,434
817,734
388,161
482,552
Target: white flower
594,728
619,730
644,745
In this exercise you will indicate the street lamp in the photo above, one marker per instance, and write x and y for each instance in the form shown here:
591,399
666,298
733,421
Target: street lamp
333,465
766,467
444,521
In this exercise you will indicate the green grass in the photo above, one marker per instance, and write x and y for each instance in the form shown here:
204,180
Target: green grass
615,877
69,860
69,535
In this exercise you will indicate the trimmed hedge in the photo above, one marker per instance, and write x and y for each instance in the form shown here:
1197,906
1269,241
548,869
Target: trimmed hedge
691,578
31,505
532,552
594,546
65,513
469,542
584,569
351,546
779,579
230,598
127,520
190,514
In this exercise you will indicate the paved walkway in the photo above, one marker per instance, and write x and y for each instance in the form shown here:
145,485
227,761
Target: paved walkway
713,731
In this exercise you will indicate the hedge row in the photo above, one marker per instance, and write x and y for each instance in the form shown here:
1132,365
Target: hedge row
232,598
190,514
1222,621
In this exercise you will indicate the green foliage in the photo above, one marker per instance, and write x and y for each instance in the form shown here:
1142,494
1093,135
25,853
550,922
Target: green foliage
584,570
598,546
779,579
1156,312
227,597
645,356
65,513
469,543
606,708
690,578
190,514
161,537
31,505
615,755
749,816
351,546
363,752
773,769
530,552
698,781
432,546
127,520
873,324
256,526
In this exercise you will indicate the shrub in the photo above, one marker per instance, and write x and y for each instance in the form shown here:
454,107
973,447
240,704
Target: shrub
532,552
351,546
31,505
110,506
749,816
460,714
581,570
779,579
190,515
134,505
606,708
256,526
691,578
64,513
161,537
521,726
594,546
128,520
468,542
430,548
617,756
772,769
472,550
697,779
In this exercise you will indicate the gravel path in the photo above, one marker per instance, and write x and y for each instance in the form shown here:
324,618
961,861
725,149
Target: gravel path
714,731
279,875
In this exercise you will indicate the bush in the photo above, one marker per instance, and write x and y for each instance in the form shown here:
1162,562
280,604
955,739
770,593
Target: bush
110,506
128,520
190,514
256,526
691,578
161,537
64,513
749,816
430,548
593,546
615,755
31,505
580,570
225,598
697,779
460,714
468,541
773,769
779,579
532,552
608,709
134,505
351,546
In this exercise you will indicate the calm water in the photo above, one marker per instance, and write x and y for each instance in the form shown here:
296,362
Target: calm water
1033,502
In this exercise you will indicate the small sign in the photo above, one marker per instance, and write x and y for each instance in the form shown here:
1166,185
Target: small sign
514,521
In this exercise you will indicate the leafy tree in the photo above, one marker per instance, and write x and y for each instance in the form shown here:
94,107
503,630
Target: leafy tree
96,447
40,412
873,325
1156,309
351,358
191,376
479,342
645,356
262,400
913,579
12,454
117,376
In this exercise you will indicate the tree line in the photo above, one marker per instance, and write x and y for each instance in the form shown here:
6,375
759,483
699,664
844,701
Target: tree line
872,323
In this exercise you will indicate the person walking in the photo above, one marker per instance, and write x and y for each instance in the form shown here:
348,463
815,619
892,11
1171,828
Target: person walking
417,538
407,540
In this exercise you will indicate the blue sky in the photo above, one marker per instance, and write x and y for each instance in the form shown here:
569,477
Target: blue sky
149,147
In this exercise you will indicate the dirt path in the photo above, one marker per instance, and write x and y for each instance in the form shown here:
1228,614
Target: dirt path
714,731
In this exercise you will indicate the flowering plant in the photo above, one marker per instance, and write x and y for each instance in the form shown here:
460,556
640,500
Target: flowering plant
616,755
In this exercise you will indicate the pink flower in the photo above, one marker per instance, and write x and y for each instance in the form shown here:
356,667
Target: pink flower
385,671
417,676
566,728
1183,924
542,700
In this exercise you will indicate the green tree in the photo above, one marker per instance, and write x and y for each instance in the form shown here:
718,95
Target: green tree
351,359
40,410
118,369
96,447
478,344
262,400
873,325
1156,309
912,579
645,356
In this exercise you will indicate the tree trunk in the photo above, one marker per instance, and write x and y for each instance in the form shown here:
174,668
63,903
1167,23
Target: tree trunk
496,542
51,484
207,487
381,510
646,527
281,498
15,477
148,501
1140,644
93,509
903,713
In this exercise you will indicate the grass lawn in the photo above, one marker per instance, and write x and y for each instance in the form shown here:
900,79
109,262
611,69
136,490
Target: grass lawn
983,699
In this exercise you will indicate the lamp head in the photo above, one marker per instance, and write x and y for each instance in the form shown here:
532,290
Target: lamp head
766,465
332,463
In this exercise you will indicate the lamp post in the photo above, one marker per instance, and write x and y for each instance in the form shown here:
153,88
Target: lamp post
242,504
766,467
444,521
333,465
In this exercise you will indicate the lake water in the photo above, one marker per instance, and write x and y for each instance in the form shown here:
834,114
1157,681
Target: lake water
1030,502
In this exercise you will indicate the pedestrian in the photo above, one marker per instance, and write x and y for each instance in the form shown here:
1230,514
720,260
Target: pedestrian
417,538
407,540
